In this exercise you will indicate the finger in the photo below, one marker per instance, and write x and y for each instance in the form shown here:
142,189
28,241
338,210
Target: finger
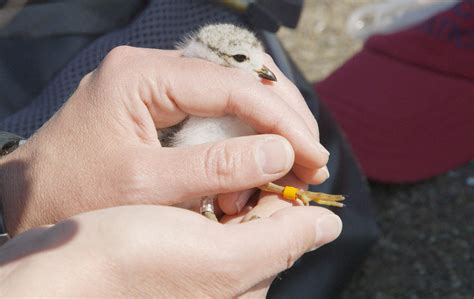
232,203
260,290
175,174
290,93
266,207
268,246
202,88
269,203
168,53
283,86
311,176
237,218
171,88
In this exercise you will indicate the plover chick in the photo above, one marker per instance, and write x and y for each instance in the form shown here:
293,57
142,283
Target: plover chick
230,46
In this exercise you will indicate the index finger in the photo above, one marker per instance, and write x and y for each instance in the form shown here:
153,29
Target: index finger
205,89
290,93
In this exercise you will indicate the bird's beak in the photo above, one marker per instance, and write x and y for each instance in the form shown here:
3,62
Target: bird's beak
265,73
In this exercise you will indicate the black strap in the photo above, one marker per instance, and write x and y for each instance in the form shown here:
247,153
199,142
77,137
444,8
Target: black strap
268,15
8,143
4,236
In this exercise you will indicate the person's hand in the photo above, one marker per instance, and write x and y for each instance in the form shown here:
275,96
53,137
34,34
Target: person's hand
101,149
233,203
265,204
158,251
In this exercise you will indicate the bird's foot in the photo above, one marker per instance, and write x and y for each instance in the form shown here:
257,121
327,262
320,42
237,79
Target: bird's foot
304,197
321,198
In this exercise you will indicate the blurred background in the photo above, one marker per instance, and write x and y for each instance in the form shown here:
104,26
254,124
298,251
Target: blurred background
321,39
427,229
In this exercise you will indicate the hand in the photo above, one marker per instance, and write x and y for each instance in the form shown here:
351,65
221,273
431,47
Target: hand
233,203
266,203
101,150
157,251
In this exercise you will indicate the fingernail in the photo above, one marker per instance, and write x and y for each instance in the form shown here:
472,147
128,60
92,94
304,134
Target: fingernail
328,229
326,172
322,149
274,156
242,199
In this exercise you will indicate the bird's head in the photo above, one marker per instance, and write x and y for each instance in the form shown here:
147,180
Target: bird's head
230,46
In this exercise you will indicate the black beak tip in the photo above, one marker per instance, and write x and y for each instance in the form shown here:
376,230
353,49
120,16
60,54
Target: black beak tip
265,73
268,75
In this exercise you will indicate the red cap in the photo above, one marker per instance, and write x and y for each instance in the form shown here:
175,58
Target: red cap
406,101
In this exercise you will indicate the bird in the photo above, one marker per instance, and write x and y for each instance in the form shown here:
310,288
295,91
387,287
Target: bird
230,46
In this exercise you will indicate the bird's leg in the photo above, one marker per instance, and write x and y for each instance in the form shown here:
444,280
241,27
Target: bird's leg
287,192
207,208
304,197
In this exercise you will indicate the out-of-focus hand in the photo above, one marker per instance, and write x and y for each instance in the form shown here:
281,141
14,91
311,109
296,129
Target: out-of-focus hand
158,251
100,149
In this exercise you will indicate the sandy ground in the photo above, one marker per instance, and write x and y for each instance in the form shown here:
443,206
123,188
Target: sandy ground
320,44
427,243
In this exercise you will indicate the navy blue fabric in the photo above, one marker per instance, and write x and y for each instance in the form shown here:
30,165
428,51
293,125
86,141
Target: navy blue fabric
43,36
160,25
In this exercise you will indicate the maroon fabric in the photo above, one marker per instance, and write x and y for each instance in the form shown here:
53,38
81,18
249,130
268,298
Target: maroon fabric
406,101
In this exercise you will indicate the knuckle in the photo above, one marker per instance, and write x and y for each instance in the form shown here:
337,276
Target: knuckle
132,187
86,80
275,126
118,56
117,74
120,52
239,75
221,164
268,58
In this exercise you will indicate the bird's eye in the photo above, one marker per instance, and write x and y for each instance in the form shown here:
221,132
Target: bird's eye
239,57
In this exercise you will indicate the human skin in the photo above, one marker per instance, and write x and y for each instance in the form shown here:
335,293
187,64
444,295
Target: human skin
158,251
100,149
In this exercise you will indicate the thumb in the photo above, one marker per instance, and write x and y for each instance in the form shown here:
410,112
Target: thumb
267,246
222,167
